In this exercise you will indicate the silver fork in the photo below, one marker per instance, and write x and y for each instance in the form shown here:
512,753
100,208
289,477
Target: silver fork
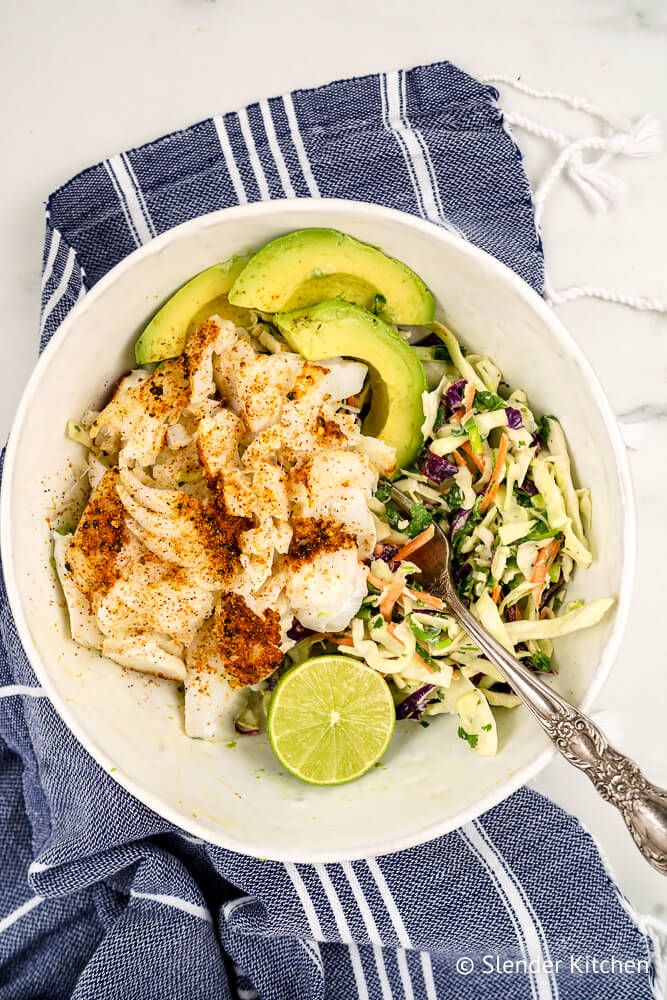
618,779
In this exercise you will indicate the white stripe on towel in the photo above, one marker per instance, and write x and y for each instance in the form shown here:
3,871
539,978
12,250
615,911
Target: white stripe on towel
274,146
190,840
344,931
23,690
176,903
399,926
412,152
312,950
299,146
305,900
371,928
230,162
129,198
19,912
140,194
121,201
422,144
255,163
399,139
234,904
523,928
60,291
545,959
51,258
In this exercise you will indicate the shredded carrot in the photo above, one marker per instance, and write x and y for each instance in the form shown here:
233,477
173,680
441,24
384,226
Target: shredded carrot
423,663
478,460
543,564
415,543
495,593
391,629
468,400
428,599
458,458
391,595
344,640
494,481
376,582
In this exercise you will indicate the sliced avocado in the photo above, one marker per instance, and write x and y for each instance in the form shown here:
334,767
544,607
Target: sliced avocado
199,298
340,329
311,265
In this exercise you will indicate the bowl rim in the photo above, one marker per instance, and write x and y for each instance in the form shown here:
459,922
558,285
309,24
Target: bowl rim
565,340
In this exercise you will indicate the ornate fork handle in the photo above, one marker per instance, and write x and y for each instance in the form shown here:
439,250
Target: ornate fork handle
617,778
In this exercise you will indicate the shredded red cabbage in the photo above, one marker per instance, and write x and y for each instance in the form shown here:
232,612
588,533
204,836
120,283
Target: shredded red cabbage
437,468
245,730
513,418
554,589
298,631
413,706
454,396
458,520
386,553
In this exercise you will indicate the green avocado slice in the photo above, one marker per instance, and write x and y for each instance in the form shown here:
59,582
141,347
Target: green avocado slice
340,329
199,298
313,265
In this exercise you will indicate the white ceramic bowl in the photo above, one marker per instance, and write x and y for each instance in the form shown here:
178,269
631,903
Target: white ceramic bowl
237,797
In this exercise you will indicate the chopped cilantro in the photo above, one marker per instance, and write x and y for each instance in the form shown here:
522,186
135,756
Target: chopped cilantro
420,518
485,401
441,353
540,661
377,622
486,728
522,498
393,515
470,738
383,492
424,724
543,430
440,418
473,520
454,497
541,531
427,658
424,633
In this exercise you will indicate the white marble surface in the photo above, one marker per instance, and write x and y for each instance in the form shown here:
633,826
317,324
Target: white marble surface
83,80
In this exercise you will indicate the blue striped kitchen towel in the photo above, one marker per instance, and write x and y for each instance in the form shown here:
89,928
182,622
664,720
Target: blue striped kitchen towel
100,897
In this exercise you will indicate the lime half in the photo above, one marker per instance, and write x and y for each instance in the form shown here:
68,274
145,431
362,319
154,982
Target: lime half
330,719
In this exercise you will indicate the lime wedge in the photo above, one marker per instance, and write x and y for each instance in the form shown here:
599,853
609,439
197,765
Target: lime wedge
330,719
